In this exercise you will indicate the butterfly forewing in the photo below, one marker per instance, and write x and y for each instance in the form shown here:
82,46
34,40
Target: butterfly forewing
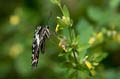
40,35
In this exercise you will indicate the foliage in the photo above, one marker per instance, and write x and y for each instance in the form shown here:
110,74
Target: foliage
75,45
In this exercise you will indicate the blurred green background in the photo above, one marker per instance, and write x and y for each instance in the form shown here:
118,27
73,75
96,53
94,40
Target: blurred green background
18,19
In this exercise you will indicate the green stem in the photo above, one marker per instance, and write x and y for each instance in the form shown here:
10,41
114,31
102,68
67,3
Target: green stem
70,35
61,8
76,61
73,51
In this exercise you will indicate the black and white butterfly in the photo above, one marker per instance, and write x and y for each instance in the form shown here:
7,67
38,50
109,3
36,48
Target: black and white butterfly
40,36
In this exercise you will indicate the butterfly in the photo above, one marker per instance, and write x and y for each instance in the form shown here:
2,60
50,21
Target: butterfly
39,39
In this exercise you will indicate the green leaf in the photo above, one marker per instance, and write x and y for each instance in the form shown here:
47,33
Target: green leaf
100,57
56,1
104,16
82,55
97,55
114,3
60,22
85,31
65,11
65,32
98,15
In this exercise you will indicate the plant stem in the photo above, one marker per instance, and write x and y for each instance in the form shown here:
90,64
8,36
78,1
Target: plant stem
70,35
76,61
73,51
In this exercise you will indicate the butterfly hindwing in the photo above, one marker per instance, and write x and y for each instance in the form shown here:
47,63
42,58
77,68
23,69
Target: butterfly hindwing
43,47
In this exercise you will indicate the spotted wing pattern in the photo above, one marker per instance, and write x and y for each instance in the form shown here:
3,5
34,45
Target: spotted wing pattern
40,35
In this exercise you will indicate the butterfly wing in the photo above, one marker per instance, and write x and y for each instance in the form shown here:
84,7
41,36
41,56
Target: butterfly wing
42,47
35,47
35,53
41,33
